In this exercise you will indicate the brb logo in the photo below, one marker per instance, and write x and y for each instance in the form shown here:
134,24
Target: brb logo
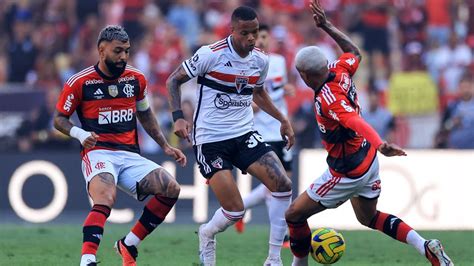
115,116
224,101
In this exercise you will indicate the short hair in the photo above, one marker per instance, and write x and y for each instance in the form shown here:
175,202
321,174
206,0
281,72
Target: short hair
243,13
112,32
263,27
311,59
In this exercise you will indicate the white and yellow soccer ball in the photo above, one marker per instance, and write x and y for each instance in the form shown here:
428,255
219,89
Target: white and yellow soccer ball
327,245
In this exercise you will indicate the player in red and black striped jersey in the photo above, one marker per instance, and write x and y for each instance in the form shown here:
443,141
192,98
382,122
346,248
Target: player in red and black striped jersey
109,98
352,146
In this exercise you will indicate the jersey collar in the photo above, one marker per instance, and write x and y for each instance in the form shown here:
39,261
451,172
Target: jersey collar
103,75
233,52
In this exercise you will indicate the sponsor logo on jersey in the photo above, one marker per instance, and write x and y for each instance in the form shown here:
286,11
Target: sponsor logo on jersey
126,78
241,83
217,163
115,116
224,101
345,82
68,104
113,90
128,90
351,61
93,81
317,104
333,115
346,106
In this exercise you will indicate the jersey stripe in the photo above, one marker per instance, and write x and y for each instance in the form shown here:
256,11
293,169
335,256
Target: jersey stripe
230,77
71,83
188,70
197,112
220,48
127,138
79,73
327,95
218,43
131,68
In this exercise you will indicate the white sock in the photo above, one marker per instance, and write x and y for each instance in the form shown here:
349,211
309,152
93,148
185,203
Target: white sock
277,206
132,240
300,261
256,196
87,258
220,221
418,242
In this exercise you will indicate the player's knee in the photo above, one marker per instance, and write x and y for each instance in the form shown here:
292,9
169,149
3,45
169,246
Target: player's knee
173,189
105,197
292,214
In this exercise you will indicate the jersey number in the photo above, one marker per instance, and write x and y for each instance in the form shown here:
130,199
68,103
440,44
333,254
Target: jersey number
253,140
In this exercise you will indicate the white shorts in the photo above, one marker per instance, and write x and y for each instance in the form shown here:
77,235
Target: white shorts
127,168
332,191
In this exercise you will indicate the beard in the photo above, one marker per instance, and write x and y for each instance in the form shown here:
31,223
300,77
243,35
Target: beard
115,70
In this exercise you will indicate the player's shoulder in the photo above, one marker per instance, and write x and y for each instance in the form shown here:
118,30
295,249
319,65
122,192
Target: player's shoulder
81,76
331,92
132,71
218,47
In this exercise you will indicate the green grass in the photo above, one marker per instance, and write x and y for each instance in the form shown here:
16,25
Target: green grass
177,245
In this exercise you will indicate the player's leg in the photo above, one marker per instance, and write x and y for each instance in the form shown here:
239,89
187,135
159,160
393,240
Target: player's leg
99,173
365,208
140,178
269,170
232,210
296,217
255,197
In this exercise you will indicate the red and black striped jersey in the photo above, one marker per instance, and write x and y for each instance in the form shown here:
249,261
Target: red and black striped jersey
336,103
106,106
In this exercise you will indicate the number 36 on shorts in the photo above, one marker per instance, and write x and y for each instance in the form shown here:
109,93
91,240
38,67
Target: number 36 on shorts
253,140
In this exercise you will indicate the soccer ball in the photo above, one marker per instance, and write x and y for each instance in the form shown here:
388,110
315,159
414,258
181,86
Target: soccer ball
327,245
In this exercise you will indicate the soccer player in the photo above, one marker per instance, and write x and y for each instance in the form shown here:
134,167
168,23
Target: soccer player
277,87
230,75
109,97
352,147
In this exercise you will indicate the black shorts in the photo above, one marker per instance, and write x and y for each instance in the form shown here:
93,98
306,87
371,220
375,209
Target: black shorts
285,156
240,152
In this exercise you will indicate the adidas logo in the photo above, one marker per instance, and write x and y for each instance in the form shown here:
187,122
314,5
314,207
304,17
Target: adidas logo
228,64
98,92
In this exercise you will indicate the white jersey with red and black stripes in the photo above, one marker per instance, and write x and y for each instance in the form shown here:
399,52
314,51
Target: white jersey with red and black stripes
265,124
225,85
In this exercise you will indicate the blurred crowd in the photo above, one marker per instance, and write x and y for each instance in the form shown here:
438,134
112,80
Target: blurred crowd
404,43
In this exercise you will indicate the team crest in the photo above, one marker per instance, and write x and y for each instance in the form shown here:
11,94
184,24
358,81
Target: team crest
241,83
217,163
128,90
113,90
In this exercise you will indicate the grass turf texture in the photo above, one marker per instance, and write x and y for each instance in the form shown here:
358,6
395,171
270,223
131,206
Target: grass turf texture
177,245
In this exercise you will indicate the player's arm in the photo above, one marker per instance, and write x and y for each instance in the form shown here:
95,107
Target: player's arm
264,102
341,39
66,105
148,120
173,84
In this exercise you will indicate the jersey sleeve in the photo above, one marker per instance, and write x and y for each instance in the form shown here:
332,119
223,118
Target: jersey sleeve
142,100
200,63
341,111
347,62
263,73
69,99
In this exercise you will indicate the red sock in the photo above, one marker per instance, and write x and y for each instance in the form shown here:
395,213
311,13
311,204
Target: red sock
153,215
94,228
390,225
300,238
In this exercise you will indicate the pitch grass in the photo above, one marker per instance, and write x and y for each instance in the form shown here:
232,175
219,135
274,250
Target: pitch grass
177,245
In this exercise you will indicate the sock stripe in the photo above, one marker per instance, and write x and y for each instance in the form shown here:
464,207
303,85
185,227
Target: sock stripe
235,216
300,238
166,201
92,234
105,210
390,225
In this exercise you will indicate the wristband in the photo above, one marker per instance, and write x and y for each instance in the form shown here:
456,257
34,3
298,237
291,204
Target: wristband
178,114
79,134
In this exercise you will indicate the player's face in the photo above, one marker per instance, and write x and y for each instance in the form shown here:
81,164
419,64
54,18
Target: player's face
313,80
244,34
263,40
115,55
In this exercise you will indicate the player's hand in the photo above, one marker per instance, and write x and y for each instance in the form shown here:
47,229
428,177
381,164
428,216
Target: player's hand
290,90
181,129
287,133
390,149
318,13
90,141
177,154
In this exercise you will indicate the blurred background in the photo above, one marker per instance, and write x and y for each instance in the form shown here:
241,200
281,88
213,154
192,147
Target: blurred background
415,81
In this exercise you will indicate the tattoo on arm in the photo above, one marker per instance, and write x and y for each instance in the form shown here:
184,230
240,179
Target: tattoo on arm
151,126
173,84
159,182
62,123
342,40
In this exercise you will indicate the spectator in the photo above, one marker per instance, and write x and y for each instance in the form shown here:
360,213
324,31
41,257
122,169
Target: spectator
184,18
457,127
379,117
439,20
22,52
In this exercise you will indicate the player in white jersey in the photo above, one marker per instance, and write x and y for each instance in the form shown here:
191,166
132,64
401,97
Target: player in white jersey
277,87
230,75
